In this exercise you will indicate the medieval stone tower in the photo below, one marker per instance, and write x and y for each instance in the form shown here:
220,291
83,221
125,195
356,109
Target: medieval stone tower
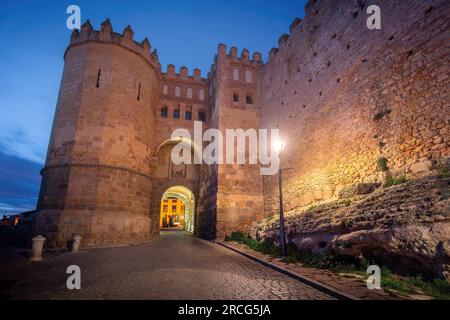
346,99
96,179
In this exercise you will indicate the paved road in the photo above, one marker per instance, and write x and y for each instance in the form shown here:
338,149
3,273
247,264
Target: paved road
176,266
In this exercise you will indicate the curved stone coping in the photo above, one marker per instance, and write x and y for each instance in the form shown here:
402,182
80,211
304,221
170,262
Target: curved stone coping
90,165
118,44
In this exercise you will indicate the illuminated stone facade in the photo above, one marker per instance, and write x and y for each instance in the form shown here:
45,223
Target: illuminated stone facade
345,98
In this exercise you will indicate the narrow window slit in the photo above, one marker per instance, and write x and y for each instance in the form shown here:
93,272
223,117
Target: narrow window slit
98,78
139,92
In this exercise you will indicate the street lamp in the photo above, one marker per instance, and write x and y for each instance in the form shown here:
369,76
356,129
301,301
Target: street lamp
279,146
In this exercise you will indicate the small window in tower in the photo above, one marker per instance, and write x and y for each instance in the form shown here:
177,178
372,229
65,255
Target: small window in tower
164,111
249,100
139,92
99,73
236,74
201,116
189,93
177,91
235,97
201,95
188,113
165,89
176,113
248,76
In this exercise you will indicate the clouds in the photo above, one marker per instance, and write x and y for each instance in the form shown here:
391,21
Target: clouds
27,104
17,143
19,183
29,79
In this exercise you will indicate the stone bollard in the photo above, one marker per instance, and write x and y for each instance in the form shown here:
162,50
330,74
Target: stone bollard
76,243
36,249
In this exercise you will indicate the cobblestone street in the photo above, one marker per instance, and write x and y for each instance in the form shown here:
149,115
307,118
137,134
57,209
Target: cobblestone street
176,266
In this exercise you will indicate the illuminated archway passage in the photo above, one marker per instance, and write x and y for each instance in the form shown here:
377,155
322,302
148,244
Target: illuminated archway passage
178,209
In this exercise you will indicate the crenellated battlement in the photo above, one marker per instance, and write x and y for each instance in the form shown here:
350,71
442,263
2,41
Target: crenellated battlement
244,57
311,10
107,35
311,23
284,37
183,74
182,87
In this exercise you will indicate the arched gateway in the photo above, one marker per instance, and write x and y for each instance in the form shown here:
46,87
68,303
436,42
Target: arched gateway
178,209
175,188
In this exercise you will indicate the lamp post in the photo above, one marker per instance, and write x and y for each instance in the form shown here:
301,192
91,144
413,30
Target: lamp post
279,145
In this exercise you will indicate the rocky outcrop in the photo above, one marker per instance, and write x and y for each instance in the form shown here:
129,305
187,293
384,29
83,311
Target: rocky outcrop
404,227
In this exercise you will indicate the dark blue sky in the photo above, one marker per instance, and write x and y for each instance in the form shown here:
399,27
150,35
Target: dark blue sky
34,36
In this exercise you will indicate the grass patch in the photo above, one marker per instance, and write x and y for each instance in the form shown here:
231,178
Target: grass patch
266,246
311,208
443,173
347,203
436,288
395,181
320,261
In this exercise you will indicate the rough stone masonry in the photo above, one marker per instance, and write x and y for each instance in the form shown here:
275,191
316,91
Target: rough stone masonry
357,107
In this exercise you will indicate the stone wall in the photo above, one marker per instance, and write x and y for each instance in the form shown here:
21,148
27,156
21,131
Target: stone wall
207,203
345,96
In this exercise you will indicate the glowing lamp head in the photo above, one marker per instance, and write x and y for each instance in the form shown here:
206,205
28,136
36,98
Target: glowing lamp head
278,145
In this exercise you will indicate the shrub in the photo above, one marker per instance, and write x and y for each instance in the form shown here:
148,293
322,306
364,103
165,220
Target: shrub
383,164
380,115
